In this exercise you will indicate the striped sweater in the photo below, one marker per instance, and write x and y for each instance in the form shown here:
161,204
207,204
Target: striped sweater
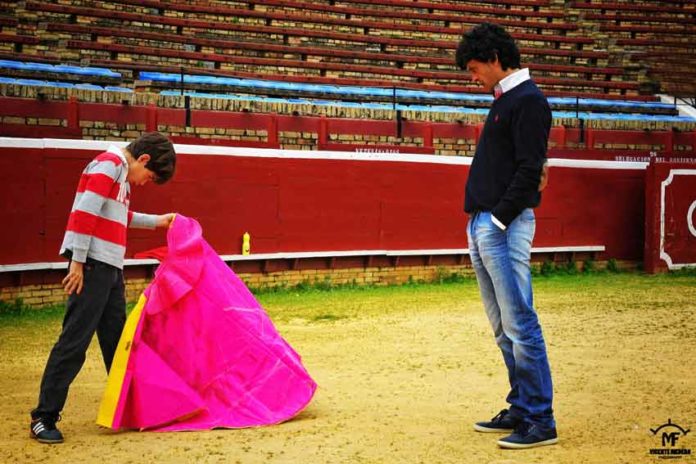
99,216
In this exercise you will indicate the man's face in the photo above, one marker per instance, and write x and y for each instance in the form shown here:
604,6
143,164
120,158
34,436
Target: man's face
486,73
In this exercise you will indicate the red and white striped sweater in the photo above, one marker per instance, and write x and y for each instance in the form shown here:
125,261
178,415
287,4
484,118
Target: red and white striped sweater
99,216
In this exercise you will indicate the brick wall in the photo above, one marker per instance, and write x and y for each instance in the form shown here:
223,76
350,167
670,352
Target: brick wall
42,295
52,294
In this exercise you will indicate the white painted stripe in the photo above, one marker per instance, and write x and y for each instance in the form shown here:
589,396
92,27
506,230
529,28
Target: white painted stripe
596,164
33,266
67,144
313,254
320,155
451,251
569,249
9,142
18,142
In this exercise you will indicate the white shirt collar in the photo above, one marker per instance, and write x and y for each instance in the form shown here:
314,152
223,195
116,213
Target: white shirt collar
118,151
513,80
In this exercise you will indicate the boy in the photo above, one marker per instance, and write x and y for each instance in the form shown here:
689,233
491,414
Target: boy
94,242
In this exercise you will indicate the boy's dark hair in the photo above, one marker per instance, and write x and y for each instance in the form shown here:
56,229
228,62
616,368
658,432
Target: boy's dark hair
484,43
162,157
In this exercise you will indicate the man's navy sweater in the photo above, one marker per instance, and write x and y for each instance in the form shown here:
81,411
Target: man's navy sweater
505,173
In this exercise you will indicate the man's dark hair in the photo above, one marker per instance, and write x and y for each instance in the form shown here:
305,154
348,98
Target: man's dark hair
162,157
484,43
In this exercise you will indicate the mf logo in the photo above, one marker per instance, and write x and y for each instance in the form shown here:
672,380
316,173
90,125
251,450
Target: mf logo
670,434
670,438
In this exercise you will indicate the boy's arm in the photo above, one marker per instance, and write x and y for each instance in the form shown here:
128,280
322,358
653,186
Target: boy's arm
141,220
149,221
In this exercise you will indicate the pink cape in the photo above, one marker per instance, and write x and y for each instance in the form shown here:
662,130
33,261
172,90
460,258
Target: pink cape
199,352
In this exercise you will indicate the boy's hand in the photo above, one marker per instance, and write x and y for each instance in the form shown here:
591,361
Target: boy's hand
165,220
75,278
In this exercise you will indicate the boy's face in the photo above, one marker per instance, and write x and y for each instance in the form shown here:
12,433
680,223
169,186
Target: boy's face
486,73
138,174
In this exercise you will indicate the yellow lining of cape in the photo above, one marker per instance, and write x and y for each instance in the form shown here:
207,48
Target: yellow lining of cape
114,384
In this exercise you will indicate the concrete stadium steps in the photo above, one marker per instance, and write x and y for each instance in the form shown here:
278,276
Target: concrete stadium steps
396,51
633,28
392,42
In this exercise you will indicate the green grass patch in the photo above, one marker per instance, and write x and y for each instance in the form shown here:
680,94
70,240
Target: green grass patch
327,303
13,313
18,310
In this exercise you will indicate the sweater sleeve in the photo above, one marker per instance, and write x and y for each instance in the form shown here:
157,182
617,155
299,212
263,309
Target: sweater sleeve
531,123
93,190
141,220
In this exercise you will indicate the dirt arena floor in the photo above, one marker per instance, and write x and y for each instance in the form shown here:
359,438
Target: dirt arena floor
404,372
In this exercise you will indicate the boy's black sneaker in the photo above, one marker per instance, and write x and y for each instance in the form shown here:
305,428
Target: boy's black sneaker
502,422
43,430
528,435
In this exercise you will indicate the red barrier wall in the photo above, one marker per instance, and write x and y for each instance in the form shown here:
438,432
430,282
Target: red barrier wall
309,201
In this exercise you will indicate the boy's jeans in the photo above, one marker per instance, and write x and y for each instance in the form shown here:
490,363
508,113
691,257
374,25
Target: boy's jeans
100,308
500,259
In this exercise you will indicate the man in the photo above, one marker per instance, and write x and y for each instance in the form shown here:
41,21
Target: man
506,177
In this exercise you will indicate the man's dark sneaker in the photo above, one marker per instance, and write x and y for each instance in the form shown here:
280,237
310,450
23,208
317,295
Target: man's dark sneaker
502,422
528,435
43,429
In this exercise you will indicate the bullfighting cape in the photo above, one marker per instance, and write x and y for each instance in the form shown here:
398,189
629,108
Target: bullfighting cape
199,352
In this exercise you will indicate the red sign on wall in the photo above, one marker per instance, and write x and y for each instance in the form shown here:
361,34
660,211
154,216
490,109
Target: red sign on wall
671,217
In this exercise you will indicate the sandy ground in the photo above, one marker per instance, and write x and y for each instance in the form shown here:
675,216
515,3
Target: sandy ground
403,374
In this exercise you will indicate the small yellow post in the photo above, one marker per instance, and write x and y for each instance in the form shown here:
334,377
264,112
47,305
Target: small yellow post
246,243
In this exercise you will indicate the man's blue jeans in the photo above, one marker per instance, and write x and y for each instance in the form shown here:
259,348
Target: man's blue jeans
500,259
